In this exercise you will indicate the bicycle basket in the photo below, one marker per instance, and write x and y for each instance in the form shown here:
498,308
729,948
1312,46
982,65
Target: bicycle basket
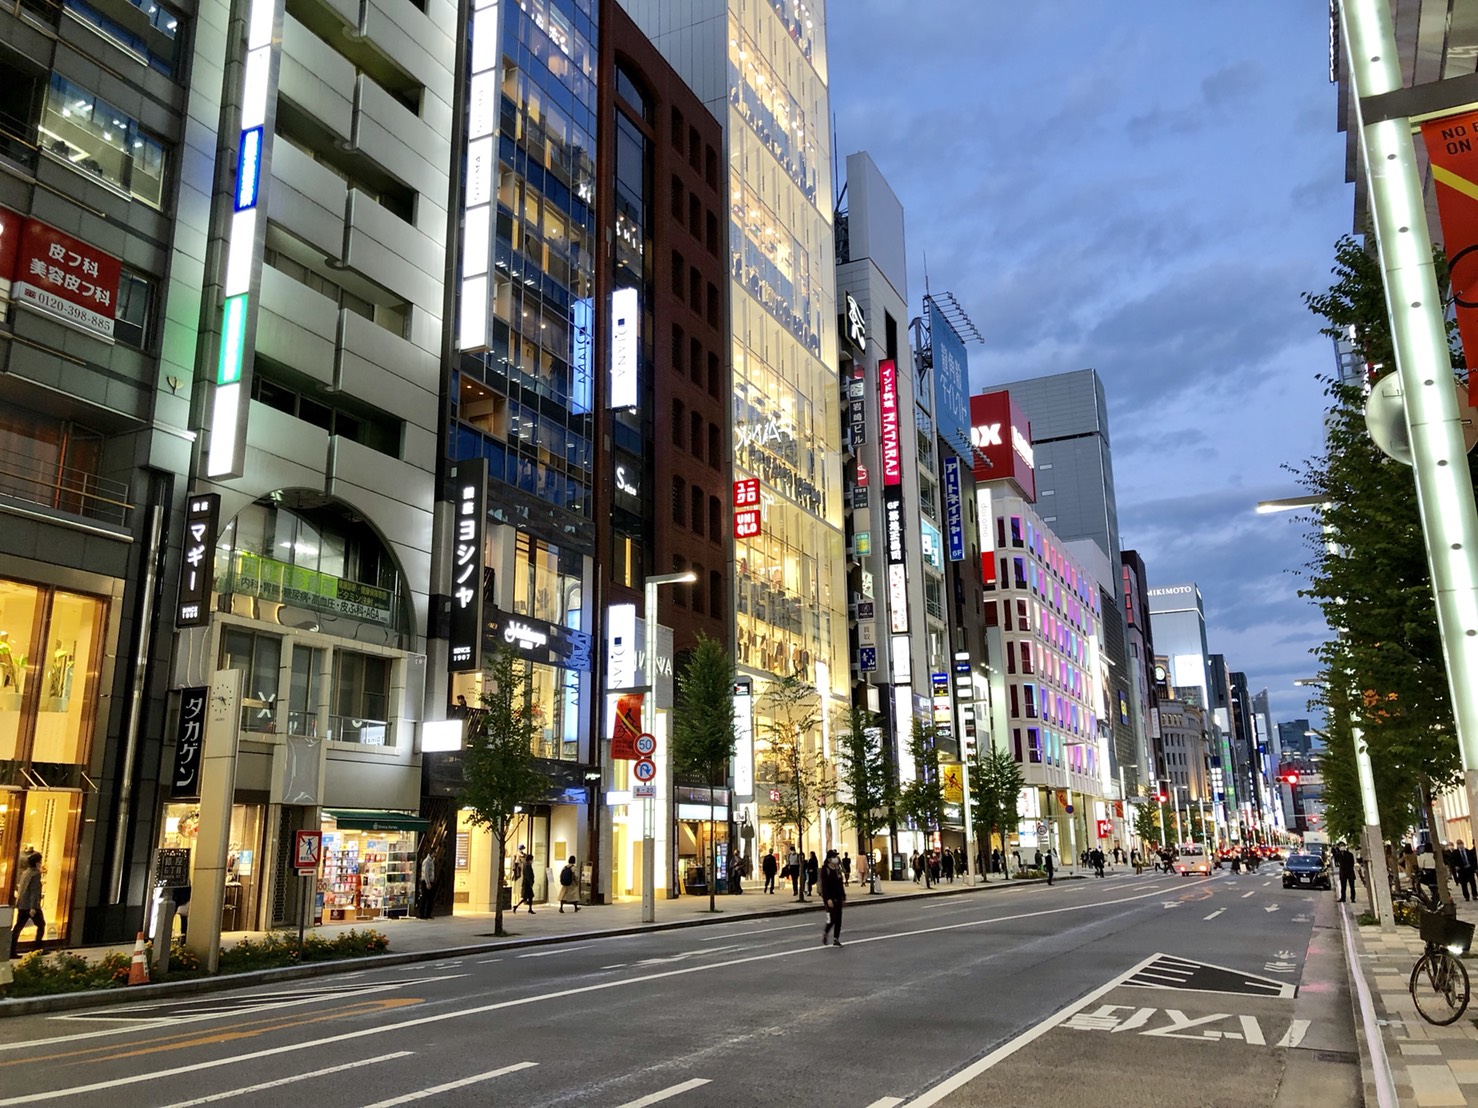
1447,931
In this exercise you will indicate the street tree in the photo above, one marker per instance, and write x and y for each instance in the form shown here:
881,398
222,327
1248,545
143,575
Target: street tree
791,709
1147,825
922,800
1382,668
867,787
501,771
703,731
996,782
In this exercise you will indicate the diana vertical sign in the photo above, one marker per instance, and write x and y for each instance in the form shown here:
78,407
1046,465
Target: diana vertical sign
469,507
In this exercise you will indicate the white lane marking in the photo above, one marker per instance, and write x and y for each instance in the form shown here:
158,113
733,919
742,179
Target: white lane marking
437,1090
1271,908
886,1102
618,965
1252,1031
488,961
556,950
229,1093
1216,913
742,934
971,1072
1252,892
497,1006
663,1094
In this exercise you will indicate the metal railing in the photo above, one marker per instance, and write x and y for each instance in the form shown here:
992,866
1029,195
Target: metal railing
64,488
366,732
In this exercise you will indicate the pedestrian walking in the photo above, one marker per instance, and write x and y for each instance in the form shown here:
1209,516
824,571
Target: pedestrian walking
569,886
1037,860
1426,863
813,873
424,886
1345,862
1467,874
1050,867
846,868
918,869
834,894
949,866
768,866
738,867
795,862
28,902
1016,855
526,884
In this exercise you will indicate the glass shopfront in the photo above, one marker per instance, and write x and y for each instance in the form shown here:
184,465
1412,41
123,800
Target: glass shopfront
51,652
245,863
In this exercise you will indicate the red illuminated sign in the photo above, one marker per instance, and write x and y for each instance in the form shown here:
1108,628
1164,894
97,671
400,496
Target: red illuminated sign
746,523
1002,439
746,492
891,452
64,277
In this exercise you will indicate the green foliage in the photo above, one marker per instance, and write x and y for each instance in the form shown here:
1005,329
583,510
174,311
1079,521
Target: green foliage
703,717
501,771
1383,668
280,948
792,763
703,725
867,787
922,799
1147,824
45,974
996,782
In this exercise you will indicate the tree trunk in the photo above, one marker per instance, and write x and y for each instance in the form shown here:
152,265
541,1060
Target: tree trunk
502,853
1444,889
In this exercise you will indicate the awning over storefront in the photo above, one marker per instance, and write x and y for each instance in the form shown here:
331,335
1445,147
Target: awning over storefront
357,819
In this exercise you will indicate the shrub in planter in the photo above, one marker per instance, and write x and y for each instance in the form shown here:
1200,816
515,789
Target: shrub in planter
40,973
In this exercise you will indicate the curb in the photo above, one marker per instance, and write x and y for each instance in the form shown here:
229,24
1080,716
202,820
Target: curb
65,1002
1375,1064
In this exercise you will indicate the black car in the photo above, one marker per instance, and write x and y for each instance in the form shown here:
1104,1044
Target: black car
1308,871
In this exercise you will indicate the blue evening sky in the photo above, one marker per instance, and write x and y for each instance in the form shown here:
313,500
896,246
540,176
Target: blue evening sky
1145,187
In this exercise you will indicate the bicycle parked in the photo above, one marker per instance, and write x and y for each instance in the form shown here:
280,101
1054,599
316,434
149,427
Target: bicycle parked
1439,984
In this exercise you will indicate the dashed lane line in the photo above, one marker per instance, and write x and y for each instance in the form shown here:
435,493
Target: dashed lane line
281,1081
667,1093
461,1083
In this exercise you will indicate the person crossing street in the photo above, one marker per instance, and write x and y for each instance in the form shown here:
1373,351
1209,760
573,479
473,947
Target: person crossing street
833,895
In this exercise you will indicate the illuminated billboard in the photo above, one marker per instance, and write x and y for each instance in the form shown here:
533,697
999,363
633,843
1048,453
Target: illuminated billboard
1001,439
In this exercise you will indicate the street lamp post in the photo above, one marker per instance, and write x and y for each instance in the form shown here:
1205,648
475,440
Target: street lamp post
649,724
1162,819
1179,835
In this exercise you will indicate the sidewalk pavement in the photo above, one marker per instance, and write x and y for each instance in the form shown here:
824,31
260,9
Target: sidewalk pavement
1429,1065
548,924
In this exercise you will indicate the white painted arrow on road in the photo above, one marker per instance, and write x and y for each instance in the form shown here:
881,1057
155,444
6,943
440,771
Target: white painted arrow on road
1271,908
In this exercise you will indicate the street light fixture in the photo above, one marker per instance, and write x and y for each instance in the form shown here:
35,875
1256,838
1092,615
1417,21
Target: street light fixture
648,725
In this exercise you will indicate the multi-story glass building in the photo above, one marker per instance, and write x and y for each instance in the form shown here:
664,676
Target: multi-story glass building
760,66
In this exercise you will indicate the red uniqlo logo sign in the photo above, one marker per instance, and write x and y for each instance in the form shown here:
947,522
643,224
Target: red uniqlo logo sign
747,492
746,523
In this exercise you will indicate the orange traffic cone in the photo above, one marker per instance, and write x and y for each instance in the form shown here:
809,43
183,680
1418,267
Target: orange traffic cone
138,973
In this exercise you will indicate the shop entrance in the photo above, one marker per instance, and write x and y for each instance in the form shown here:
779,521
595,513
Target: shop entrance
244,863
369,865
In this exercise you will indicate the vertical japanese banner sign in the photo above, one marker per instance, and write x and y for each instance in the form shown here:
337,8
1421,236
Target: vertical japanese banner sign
189,738
469,480
198,561
1452,147
626,727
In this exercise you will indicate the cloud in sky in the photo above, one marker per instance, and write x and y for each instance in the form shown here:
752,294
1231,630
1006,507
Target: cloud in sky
1146,188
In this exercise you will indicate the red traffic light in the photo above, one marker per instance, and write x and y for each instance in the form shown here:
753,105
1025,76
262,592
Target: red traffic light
1291,777
1160,798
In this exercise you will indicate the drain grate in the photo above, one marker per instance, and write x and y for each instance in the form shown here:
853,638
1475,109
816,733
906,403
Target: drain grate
1346,1056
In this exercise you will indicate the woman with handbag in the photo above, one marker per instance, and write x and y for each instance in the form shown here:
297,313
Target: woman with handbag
28,903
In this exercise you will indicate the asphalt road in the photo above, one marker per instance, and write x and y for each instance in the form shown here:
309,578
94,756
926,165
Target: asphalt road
1123,991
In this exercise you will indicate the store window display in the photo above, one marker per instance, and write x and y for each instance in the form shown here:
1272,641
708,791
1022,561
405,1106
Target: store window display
244,860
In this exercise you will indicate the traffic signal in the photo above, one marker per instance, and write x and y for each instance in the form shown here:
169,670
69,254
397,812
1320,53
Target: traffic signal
1160,798
1289,777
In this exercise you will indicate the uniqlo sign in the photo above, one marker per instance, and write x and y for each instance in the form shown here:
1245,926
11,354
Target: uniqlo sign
747,493
746,523
64,277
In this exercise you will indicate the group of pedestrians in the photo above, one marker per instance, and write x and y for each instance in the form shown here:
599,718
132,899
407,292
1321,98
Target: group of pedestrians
934,867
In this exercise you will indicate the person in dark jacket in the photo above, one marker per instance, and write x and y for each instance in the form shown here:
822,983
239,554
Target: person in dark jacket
834,895
526,887
813,872
768,866
1345,862
28,902
1049,866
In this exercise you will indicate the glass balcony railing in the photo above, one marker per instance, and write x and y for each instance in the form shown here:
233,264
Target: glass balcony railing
366,732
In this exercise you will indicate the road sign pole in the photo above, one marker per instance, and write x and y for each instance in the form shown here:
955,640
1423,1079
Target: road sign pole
303,915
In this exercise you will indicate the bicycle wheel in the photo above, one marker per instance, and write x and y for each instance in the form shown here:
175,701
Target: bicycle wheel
1439,986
